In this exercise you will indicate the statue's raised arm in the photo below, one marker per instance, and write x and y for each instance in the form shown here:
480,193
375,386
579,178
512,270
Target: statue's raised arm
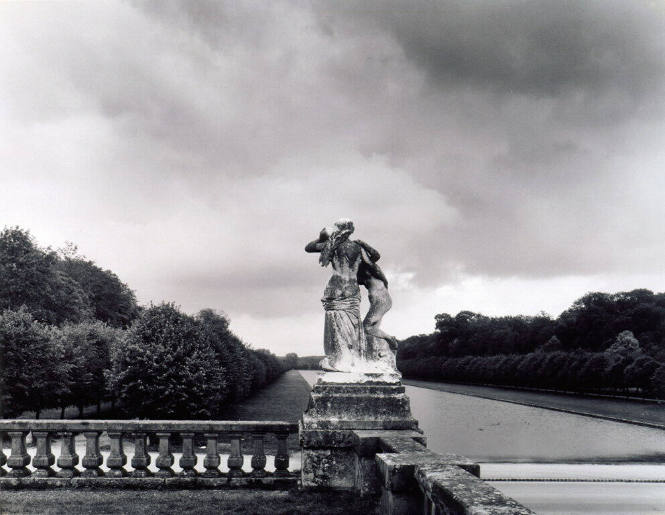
317,245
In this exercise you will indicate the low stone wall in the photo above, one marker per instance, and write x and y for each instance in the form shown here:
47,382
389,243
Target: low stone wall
120,432
414,479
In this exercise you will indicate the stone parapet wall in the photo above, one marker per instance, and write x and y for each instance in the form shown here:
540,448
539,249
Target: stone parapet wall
414,479
92,469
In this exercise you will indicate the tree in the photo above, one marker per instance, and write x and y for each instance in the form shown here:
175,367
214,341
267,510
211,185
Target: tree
231,354
111,300
166,367
658,381
87,349
33,375
291,361
638,374
551,345
29,277
625,344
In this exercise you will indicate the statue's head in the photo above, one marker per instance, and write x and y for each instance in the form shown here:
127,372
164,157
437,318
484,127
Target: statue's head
344,224
334,237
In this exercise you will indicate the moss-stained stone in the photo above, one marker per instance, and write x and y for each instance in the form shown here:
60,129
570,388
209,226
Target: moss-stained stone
377,405
334,453
392,503
454,490
328,468
366,481
326,439
369,442
397,470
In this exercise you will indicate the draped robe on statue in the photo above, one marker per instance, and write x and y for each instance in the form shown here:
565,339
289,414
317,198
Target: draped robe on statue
343,335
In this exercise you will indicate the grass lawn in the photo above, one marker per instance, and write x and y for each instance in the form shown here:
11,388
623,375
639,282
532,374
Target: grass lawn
284,399
183,501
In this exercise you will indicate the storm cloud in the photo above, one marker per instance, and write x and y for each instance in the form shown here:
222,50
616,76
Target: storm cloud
504,156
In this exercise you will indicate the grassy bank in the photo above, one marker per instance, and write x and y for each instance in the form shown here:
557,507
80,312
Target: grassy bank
257,502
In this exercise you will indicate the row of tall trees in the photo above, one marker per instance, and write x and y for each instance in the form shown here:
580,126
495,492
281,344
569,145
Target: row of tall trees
60,287
73,334
603,341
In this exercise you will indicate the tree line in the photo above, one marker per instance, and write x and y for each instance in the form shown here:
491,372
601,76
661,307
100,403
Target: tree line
72,334
612,342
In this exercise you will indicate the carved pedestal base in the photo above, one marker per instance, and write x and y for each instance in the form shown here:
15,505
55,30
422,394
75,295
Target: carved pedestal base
339,405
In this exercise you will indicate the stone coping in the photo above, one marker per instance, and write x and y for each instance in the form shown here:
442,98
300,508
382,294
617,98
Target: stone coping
397,470
358,378
311,422
458,491
175,426
370,442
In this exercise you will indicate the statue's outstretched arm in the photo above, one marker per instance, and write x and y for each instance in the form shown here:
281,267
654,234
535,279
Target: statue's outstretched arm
371,251
317,245
314,246
371,268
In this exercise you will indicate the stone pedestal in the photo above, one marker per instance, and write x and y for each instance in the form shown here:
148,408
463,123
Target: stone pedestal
340,404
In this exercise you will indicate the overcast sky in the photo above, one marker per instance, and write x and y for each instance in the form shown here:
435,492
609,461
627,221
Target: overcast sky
503,156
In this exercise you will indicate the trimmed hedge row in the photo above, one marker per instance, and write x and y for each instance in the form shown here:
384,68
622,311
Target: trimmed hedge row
166,365
583,371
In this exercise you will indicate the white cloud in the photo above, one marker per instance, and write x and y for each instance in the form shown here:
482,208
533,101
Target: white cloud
194,148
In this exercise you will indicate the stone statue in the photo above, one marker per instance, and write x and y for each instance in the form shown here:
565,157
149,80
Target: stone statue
381,347
352,346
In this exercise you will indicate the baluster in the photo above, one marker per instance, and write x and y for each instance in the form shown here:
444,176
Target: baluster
235,458
188,459
93,458
282,456
165,458
68,458
44,458
3,458
211,461
19,457
141,458
259,457
117,459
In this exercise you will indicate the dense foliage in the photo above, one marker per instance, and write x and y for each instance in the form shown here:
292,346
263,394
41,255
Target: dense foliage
59,288
165,367
71,333
172,365
308,362
31,365
86,349
610,342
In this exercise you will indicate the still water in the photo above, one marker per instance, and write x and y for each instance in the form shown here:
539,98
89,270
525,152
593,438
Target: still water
522,442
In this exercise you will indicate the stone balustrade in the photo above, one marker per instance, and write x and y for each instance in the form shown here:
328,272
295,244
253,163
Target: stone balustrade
193,470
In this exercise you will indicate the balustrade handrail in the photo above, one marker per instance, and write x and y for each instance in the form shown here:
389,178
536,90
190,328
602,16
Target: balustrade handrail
198,426
119,431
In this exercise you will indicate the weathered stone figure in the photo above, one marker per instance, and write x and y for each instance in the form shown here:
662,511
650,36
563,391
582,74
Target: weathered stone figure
352,346
343,336
381,347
